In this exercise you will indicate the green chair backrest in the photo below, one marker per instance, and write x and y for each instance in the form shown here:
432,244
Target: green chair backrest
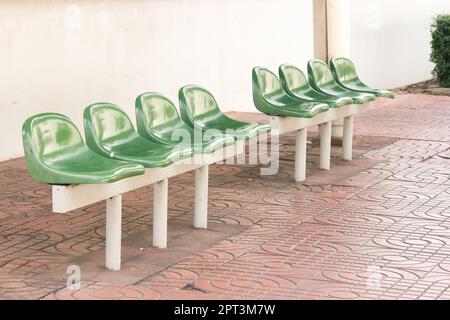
266,82
199,109
320,76
296,85
51,134
198,106
345,74
344,70
268,94
105,126
48,137
293,79
157,118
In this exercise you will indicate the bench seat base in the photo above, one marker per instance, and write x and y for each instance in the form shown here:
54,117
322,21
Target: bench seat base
71,197
284,125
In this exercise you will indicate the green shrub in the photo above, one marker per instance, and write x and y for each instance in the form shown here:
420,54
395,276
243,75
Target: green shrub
440,49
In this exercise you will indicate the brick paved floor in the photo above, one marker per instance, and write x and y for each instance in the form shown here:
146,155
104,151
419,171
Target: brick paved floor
374,228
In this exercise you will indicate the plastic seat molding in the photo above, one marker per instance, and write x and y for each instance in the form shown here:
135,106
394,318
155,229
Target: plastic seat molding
199,109
56,154
110,132
293,114
296,85
344,72
269,97
158,120
322,80
266,96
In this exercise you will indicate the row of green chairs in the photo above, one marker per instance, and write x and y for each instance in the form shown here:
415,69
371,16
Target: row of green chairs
56,153
330,93
114,150
292,95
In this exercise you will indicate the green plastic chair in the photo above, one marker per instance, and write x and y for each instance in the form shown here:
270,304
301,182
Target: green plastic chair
56,154
200,110
296,85
109,132
269,97
158,120
322,80
345,74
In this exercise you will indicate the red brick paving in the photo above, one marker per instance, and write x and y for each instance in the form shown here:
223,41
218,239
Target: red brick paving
374,228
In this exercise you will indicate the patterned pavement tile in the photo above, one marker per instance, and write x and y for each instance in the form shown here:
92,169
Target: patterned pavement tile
374,228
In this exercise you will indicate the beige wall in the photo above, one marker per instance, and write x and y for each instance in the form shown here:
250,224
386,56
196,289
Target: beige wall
390,39
60,56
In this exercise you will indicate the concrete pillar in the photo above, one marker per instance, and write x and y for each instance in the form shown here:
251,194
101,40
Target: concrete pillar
332,37
338,39
320,29
338,28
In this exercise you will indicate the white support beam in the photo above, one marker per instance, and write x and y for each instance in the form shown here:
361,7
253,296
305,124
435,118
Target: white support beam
68,198
283,125
201,198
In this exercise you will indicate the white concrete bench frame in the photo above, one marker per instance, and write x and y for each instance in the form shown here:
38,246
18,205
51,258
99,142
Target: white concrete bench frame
71,197
283,125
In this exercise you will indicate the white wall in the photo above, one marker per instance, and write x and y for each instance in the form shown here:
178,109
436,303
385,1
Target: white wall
390,39
61,55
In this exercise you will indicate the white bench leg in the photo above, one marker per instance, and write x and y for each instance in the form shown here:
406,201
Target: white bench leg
347,139
325,145
239,153
113,232
160,199
300,155
201,198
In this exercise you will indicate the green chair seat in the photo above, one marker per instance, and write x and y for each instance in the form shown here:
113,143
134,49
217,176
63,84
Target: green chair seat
296,85
269,97
159,121
56,154
345,74
110,133
322,80
200,110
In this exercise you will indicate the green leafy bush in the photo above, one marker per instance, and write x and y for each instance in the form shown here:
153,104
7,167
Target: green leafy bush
440,49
